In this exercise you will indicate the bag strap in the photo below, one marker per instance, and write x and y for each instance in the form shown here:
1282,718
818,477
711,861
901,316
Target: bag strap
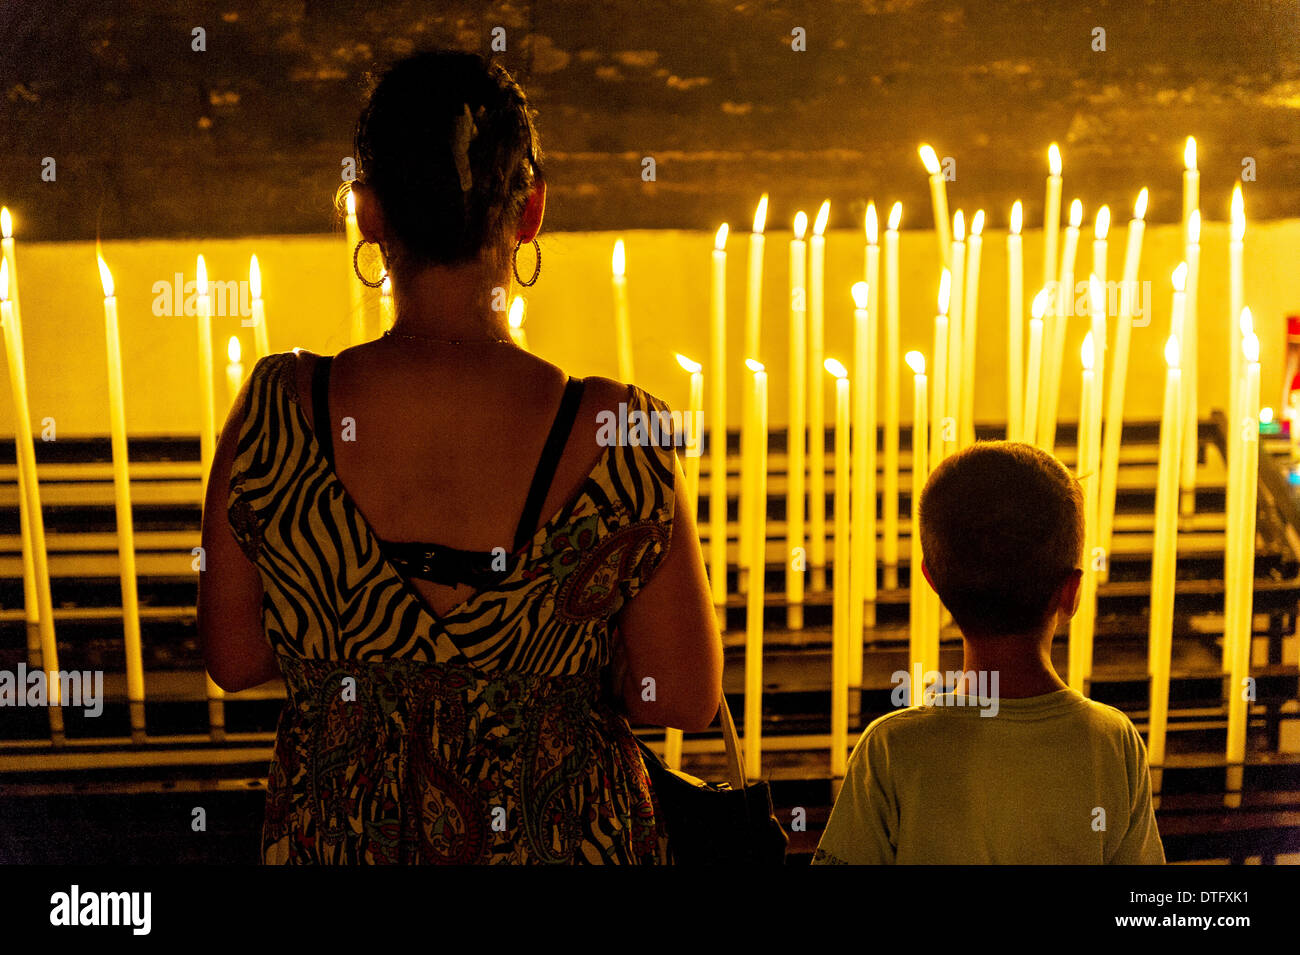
735,758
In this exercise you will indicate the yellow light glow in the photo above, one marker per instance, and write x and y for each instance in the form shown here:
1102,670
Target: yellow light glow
1054,159
861,295
1140,207
1180,277
6,224
915,361
1250,346
619,259
1246,322
895,217
800,224
1017,217
945,291
959,227
835,368
4,280
977,224
692,367
232,350
1238,214
1189,154
1096,297
872,227
1039,307
351,204
202,284
516,315
255,277
1088,353
823,217
1265,415
929,158
386,288
1171,351
1076,214
105,277
1102,225
1194,227
760,214
754,365
720,238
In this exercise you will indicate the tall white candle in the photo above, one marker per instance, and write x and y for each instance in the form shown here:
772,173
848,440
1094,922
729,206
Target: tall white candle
515,319
940,390
1051,215
840,629
718,427
889,504
753,341
1190,364
797,440
1062,309
1015,326
356,291
871,406
622,323
1235,293
1080,622
1240,430
817,399
1100,250
753,742
1191,186
1119,376
969,322
234,370
1033,373
938,202
261,342
917,589
863,534
952,384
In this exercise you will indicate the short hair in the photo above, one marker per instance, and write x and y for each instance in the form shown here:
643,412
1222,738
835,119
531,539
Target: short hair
441,207
1001,529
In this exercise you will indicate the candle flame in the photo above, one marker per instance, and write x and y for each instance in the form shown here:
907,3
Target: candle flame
861,294
823,216
1194,227
760,215
105,277
1189,154
1076,214
1102,224
255,277
915,361
1054,159
1171,351
1246,322
720,238
945,291
835,367
929,158
202,284
693,367
977,224
959,227
895,216
386,288
619,260
800,224
351,204
1096,298
1039,307
1180,277
1088,353
1265,415
1238,214
754,365
233,351
1140,207
871,225
4,280
6,224
516,315
1017,217
1250,346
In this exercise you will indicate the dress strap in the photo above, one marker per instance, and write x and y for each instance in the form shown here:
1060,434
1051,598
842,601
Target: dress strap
549,460
320,405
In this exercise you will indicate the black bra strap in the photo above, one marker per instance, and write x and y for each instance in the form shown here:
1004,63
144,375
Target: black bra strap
320,405
549,460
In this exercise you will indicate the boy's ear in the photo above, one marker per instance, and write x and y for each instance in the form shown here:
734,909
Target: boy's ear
1070,592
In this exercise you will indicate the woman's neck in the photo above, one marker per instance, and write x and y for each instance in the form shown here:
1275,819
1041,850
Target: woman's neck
454,302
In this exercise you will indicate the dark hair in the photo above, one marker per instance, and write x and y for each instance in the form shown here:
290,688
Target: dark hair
1001,530
406,150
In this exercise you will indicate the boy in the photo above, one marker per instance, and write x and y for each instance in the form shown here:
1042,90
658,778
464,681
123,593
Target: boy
1044,776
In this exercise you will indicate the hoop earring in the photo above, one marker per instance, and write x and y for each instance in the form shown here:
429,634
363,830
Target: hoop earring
356,265
537,269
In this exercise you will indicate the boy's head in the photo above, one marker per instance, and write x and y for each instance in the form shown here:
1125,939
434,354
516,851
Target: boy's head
1001,532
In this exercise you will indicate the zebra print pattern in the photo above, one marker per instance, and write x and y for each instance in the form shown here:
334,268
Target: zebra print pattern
330,595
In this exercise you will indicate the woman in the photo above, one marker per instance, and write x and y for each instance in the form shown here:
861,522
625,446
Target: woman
465,700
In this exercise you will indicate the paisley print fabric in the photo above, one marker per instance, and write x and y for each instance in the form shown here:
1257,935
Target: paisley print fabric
478,735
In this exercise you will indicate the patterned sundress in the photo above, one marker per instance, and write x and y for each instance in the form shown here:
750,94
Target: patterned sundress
484,734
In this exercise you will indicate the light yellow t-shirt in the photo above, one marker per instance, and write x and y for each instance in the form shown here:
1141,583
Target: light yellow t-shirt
1052,779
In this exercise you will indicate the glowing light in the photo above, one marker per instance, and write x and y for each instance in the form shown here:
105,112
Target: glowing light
232,350
1102,225
1076,214
1017,217
1171,351
720,239
800,224
4,280
693,367
1265,415
754,365
895,216
823,216
1238,214
352,203
105,278
915,361
1194,227
945,291
386,289
871,225
1039,307
929,158
760,214
1250,346
619,260
1054,159
1189,154
1140,207
516,316
6,224
202,284
1088,353
977,224
835,368
1247,321
1180,277
255,277
959,227
861,295
1096,297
